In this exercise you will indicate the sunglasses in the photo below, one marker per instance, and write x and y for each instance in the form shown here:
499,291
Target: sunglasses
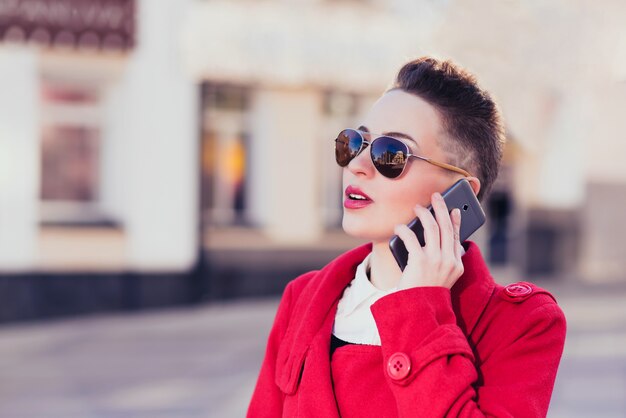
389,155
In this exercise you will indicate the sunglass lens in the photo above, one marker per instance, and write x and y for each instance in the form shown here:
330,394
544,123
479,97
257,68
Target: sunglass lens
389,156
347,146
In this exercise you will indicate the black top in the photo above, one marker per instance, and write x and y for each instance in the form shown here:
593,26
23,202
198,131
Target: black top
336,342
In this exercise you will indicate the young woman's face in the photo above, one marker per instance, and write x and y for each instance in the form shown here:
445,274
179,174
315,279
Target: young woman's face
392,200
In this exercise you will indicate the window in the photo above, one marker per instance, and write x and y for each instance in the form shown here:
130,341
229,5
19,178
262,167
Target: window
340,110
70,154
224,153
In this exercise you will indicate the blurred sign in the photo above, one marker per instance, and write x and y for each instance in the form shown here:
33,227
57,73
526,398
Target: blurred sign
82,24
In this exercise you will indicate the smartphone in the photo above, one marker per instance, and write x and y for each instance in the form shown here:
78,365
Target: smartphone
460,195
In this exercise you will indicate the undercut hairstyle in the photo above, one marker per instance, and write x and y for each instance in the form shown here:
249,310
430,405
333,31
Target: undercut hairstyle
473,136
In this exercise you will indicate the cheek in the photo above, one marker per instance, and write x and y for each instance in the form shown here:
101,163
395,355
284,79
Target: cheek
403,198
406,196
400,204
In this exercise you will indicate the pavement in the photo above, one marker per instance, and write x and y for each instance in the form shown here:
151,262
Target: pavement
203,362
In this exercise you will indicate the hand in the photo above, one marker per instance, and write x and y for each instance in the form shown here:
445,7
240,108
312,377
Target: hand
438,263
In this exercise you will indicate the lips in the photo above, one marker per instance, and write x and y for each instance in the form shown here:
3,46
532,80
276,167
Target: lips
356,198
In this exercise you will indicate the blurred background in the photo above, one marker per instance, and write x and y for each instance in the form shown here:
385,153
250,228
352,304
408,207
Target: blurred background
167,166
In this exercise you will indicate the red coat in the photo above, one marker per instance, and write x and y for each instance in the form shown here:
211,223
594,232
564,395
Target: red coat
478,350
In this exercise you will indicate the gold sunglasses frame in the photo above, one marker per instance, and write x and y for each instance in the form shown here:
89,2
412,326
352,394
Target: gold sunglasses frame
365,143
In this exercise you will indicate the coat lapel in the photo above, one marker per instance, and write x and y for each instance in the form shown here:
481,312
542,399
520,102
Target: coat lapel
312,310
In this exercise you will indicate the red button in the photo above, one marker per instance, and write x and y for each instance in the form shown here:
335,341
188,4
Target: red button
518,289
398,366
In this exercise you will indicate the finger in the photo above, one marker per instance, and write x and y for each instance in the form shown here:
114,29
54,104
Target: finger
431,230
456,224
458,250
446,229
409,239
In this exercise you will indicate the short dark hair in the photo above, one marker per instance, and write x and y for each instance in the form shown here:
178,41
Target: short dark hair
470,118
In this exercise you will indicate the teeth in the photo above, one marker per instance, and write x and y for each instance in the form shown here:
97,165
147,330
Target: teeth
357,196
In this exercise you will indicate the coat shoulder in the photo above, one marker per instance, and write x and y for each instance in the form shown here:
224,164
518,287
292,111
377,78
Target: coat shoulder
522,304
297,285
527,295
515,313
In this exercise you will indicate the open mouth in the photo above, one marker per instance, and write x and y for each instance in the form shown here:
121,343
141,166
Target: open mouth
355,196
354,193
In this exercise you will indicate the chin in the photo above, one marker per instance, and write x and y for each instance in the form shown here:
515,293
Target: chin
359,228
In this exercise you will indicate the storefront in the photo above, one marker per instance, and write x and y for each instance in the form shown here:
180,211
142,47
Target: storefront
98,138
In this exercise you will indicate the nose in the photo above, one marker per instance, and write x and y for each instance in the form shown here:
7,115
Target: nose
362,164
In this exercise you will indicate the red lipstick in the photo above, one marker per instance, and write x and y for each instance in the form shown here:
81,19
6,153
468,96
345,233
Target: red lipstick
355,198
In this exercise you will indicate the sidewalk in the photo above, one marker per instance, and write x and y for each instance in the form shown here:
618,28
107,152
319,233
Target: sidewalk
179,363
203,362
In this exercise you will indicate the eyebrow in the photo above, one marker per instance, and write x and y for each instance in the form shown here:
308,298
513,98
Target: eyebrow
394,134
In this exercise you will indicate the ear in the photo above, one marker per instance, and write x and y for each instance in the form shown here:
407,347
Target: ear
475,183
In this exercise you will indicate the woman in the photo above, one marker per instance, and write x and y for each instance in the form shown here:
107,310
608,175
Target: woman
360,337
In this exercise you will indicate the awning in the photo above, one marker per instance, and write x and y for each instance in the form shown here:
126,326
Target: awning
79,24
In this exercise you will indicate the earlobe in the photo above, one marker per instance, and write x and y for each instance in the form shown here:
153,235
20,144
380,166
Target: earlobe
475,183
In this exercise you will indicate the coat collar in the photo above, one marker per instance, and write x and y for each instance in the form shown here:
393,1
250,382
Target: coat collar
316,306
313,307
472,291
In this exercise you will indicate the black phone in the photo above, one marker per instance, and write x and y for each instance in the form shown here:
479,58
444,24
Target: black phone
460,195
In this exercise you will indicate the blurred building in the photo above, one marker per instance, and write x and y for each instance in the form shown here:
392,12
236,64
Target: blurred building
159,152
98,145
